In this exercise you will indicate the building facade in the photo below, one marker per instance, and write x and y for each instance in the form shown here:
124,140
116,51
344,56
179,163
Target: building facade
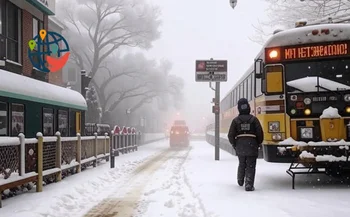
20,21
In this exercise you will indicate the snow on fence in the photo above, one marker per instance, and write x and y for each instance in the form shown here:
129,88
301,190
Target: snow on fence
43,159
24,160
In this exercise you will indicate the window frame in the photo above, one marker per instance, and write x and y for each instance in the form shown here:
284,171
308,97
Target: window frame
17,41
43,121
58,122
24,118
6,119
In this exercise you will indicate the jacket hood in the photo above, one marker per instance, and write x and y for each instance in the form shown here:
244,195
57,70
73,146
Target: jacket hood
243,107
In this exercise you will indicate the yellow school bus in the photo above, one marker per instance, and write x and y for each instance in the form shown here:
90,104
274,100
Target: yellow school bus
297,74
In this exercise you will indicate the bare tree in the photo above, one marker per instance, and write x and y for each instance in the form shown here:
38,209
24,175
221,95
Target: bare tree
97,28
137,79
284,14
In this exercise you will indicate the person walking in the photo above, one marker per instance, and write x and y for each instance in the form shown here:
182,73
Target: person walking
245,135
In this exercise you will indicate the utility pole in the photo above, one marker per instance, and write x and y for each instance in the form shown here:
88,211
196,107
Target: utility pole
213,71
216,111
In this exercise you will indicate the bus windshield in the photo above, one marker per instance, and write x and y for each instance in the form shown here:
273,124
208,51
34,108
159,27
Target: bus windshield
318,76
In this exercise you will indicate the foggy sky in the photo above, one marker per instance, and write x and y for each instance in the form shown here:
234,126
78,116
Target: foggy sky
201,29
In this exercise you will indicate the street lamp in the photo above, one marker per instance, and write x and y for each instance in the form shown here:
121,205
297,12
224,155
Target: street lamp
233,3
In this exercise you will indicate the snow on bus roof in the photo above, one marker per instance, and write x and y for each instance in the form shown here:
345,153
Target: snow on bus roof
302,35
21,87
309,84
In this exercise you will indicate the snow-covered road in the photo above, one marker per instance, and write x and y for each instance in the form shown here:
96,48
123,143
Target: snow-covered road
158,181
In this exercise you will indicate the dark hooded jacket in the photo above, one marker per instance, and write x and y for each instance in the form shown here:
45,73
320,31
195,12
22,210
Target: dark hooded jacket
243,126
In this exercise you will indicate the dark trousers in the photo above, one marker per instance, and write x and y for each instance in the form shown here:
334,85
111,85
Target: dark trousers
246,169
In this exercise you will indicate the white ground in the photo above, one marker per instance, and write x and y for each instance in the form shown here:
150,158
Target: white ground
157,181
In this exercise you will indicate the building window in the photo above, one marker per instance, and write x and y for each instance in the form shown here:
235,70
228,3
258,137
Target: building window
47,122
17,116
13,24
63,122
37,26
3,119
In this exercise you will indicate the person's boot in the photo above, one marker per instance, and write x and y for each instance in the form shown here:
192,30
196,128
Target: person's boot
240,182
249,188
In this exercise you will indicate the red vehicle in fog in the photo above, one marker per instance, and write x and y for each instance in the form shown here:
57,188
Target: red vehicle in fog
179,136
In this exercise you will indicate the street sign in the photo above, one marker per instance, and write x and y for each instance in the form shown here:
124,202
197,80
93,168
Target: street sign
211,70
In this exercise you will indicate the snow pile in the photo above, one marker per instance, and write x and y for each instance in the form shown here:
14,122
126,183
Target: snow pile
321,158
330,112
330,158
281,150
291,141
305,154
341,143
8,141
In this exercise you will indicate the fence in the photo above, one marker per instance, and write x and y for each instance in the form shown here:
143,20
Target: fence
43,160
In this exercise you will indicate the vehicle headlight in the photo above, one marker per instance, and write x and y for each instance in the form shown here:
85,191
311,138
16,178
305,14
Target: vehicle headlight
276,136
307,101
306,132
274,126
347,98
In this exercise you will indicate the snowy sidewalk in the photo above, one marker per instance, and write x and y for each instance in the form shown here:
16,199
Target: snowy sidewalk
157,181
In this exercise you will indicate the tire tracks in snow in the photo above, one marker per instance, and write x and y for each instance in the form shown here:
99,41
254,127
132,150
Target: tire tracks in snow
175,194
125,205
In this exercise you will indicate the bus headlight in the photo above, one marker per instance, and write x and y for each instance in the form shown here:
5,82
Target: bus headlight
274,126
307,112
306,132
347,109
347,98
276,136
307,101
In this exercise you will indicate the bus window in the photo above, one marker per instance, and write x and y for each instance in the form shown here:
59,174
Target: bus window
249,85
240,91
234,97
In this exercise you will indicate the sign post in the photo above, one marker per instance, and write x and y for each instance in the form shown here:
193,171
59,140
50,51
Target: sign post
213,71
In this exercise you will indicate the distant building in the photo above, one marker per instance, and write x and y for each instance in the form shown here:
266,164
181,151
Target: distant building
71,76
20,20
56,26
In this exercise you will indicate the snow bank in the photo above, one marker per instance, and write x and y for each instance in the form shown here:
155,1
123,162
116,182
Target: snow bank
330,112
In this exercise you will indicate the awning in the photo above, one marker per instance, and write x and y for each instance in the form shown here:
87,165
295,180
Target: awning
46,6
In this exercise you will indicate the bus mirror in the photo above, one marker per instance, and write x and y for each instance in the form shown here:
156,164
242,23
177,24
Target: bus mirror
258,67
274,79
